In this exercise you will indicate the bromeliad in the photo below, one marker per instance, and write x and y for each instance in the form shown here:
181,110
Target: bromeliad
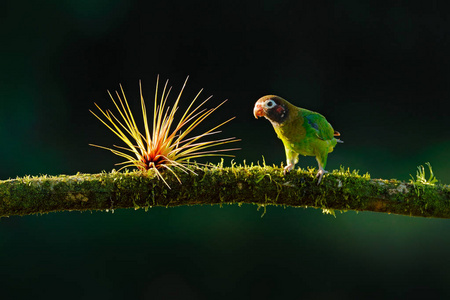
164,144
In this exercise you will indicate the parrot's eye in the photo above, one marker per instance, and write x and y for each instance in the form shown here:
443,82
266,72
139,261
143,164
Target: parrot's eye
270,103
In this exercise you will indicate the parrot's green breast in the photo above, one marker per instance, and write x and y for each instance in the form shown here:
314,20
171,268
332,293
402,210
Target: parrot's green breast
306,133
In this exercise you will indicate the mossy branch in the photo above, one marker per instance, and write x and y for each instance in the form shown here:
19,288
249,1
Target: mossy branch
261,185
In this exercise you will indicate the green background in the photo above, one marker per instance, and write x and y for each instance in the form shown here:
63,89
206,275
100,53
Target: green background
378,70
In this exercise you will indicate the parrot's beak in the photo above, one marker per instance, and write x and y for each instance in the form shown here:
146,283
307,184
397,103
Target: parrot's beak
258,111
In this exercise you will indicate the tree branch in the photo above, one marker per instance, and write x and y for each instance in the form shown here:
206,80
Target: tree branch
261,185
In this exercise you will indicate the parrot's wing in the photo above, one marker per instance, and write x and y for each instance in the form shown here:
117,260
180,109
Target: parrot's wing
320,125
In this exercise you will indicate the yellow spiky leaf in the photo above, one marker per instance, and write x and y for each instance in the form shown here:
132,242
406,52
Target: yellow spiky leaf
165,145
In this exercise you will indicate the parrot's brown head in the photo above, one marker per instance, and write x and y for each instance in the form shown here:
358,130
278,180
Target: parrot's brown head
273,108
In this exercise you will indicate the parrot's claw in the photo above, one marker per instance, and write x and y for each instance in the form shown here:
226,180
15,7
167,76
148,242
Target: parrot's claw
288,168
320,175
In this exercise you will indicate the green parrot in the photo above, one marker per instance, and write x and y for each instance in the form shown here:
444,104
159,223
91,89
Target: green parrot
302,131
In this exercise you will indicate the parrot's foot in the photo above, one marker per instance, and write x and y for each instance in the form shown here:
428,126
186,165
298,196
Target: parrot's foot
320,175
288,168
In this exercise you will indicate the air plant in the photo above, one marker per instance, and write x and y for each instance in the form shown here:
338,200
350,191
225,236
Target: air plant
164,144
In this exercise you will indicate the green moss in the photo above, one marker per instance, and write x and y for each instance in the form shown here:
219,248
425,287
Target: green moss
342,190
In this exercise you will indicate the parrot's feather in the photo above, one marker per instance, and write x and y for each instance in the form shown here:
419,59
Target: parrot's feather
318,122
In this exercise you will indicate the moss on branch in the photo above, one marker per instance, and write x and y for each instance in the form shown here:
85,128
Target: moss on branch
261,185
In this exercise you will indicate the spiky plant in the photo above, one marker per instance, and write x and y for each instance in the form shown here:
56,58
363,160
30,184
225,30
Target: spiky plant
420,176
164,144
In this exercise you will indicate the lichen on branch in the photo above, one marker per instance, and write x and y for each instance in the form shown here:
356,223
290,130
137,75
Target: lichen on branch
261,185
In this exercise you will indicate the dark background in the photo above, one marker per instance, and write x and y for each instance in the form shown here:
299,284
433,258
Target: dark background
378,70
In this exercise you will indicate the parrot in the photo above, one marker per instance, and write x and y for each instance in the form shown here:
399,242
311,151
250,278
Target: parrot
302,131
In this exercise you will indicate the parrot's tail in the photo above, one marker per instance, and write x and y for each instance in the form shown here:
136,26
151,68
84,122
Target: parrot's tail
336,133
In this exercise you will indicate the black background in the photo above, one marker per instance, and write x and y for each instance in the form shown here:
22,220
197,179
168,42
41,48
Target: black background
378,70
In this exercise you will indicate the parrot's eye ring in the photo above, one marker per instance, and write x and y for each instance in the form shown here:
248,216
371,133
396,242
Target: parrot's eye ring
270,103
